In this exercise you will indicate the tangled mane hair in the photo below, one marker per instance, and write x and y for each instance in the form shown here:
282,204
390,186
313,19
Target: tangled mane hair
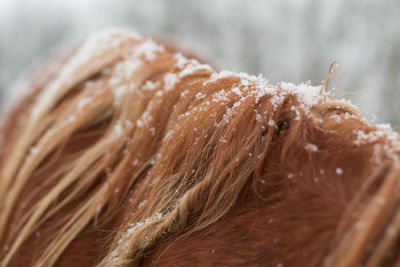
129,153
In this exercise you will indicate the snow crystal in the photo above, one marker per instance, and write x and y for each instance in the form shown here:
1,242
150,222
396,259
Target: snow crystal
220,97
119,93
128,124
117,131
83,102
311,147
339,171
170,79
382,130
189,66
243,76
135,162
149,85
200,95
276,100
148,220
307,94
192,68
114,81
237,91
310,95
145,119
132,229
181,60
155,180
390,139
34,150
141,204
148,49
245,82
271,123
184,93
128,67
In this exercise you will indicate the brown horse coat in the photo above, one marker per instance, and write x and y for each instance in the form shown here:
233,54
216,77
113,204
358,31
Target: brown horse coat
130,154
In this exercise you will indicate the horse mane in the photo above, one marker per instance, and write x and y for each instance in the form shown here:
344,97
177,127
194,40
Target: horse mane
140,148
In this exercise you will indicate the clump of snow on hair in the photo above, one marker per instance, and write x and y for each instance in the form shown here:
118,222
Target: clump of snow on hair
117,131
383,132
150,86
170,79
189,66
308,94
84,101
126,236
148,50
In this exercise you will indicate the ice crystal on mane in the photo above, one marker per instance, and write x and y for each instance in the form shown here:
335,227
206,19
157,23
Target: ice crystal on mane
384,132
170,79
148,49
149,85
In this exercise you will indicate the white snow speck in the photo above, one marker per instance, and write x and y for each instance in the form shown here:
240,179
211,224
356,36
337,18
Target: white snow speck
150,86
170,79
311,147
193,68
117,131
220,97
200,96
310,95
34,150
119,93
83,102
141,204
271,123
148,49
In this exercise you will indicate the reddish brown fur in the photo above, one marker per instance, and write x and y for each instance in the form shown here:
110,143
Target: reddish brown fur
291,213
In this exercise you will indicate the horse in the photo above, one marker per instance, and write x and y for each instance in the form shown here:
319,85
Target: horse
126,152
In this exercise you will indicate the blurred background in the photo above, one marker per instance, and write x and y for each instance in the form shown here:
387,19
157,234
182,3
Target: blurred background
285,40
